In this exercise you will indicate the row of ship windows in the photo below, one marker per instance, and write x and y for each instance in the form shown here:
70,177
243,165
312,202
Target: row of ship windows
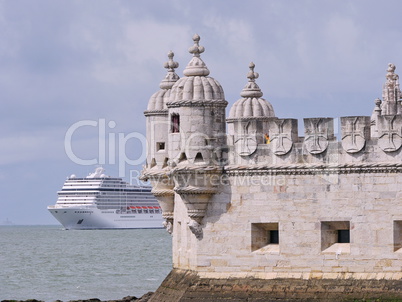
118,187
106,197
110,197
139,212
103,198
109,191
103,202
119,212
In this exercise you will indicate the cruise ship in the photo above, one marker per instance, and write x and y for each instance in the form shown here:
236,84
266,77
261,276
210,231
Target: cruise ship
103,202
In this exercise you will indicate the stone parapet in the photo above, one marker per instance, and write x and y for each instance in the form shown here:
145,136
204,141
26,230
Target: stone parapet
280,143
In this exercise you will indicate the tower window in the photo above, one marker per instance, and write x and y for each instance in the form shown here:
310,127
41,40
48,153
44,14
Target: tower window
265,237
182,157
165,162
343,236
398,236
335,237
273,237
175,120
160,146
199,158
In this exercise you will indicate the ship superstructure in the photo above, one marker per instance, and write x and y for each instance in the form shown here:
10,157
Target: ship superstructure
99,201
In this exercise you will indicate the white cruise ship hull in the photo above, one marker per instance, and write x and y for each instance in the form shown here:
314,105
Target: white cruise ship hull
80,218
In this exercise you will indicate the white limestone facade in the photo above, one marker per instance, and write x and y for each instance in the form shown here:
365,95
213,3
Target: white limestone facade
260,201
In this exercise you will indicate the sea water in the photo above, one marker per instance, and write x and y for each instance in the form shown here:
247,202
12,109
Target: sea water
49,263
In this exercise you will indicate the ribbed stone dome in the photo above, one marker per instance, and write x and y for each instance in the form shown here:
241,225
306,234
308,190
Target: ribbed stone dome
251,105
196,88
158,100
196,85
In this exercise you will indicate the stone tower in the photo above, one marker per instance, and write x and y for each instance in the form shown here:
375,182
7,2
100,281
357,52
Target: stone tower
197,137
157,119
261,214
193,133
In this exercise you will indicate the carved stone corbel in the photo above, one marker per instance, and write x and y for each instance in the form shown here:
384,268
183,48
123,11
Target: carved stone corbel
196,187
162,189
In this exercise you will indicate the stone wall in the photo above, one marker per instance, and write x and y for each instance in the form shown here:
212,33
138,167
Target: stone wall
188,286
306,208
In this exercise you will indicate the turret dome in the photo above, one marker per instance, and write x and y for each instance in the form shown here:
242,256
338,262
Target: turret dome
251,105
158,100
196,85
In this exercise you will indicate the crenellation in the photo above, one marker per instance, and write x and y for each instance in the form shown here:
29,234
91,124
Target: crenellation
318,132
389,132
355,132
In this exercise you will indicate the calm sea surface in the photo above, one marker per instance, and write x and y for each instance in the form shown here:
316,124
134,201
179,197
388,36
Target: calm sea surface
48,263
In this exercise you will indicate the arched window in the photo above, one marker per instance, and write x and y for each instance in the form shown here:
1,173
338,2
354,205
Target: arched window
175,122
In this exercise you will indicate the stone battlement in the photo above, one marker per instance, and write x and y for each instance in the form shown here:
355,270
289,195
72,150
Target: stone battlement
282,145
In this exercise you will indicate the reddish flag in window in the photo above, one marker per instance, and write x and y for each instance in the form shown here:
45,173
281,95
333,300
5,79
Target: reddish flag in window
267,139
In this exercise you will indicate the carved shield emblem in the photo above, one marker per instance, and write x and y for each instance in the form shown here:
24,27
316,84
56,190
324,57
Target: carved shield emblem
355,131
246,142
318,131
281,131
389,132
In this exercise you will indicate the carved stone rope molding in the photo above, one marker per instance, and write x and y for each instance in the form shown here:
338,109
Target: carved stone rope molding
189,169
251,118
195,190
162,192
154,174
308,169
195,103
156,112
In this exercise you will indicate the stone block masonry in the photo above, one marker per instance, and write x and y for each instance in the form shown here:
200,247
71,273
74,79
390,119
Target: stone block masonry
189,287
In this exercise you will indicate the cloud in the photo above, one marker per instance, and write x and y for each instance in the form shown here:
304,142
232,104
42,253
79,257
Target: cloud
234,34
70,60
28,147
140,55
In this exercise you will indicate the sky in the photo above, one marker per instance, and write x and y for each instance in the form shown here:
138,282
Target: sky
76,76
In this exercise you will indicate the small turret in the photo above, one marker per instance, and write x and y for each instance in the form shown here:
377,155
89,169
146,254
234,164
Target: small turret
197,114
157,145
391,93
249,117
197,136
391,103
157,117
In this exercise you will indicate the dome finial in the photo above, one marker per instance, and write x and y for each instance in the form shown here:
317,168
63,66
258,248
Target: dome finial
391,67
196,67
171,76
171,65
391,92
196,49
252,76
391,75
251,89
